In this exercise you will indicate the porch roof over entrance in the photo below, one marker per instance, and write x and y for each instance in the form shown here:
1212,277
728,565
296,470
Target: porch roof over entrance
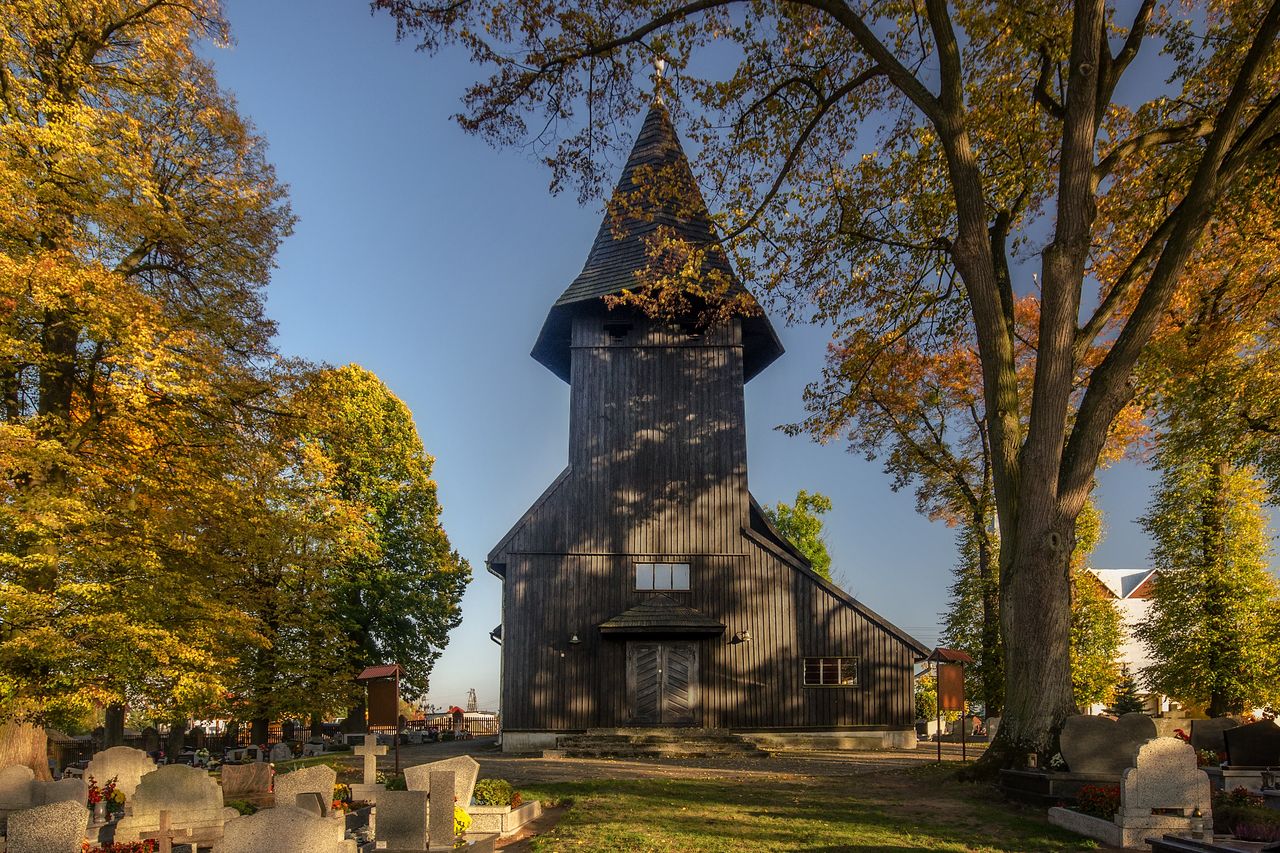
660,615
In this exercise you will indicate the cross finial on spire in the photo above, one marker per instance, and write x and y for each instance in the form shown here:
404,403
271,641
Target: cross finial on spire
659,69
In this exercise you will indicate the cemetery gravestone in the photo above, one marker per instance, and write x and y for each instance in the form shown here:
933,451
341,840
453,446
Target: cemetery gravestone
190,796
55,828
248,782
150,739
310,802
1254,745
1097,746
17,784
1163,792
370,751
281,752
123,763
1208,734
402,820
464,768
284,829
165,835
62,791
315,780
441,808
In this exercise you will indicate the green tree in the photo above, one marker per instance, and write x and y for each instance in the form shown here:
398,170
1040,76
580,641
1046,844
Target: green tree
972,622
1128,696
886,167
398,602
801,525
1096,627
1214,625
139,221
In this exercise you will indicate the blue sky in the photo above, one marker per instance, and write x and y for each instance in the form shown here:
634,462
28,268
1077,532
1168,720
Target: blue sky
431,259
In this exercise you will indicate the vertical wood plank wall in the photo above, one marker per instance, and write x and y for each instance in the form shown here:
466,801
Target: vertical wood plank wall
658,472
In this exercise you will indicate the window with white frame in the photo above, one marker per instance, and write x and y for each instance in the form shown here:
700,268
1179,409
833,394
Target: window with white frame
662,576
830,672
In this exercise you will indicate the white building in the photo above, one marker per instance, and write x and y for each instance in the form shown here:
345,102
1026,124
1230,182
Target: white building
1130,591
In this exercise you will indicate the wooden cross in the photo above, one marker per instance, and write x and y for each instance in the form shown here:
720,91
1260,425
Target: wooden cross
371,750
166,835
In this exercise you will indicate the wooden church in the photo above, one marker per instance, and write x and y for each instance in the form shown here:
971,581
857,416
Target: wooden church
646,587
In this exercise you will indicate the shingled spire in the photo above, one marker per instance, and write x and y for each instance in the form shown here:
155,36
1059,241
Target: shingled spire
614,261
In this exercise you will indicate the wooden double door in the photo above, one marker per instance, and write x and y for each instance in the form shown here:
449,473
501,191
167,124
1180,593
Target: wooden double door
662,683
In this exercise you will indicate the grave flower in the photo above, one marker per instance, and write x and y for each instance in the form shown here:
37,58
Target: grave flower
461,821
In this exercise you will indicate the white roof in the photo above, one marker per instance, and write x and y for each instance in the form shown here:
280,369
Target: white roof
1122,582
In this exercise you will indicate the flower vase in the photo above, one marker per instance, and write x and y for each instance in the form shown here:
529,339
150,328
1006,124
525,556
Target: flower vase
100,812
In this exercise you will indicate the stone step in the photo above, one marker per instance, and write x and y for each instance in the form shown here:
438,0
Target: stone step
654,743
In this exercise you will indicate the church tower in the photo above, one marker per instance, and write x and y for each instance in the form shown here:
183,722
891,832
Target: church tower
645,587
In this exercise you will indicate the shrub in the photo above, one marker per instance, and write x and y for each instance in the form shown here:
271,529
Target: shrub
494,792
397,783
1098,800
1248,823
245,808
1238,796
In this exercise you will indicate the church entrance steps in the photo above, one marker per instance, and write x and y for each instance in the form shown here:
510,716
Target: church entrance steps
654,743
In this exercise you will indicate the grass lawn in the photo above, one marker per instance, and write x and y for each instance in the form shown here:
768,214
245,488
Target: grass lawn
922,808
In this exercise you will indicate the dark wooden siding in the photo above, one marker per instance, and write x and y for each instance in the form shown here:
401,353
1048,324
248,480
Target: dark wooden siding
552,685
658,472
657,446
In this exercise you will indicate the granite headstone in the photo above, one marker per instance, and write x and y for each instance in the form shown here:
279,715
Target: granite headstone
55,828
465,770
440,829
248,782
1207,734
315,780
402,820
190,795
1254,745
284,829
124,764
1099,746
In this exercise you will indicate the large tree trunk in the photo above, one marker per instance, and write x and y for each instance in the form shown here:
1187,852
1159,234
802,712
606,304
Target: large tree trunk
177,740
113,726
1035,599
355,721
25,744
259,728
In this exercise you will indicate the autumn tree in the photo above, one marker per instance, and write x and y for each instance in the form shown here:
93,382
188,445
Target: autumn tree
138,224
801,524
1213,628
860,151
1096,627
397,602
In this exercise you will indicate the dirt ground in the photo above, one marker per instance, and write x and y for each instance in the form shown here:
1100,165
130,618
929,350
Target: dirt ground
817,768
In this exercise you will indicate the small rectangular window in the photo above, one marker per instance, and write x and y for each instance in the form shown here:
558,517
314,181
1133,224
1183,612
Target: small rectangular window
830,672
662,576
680,576
644,575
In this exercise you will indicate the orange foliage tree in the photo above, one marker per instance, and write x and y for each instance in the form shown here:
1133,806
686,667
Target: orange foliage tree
860,152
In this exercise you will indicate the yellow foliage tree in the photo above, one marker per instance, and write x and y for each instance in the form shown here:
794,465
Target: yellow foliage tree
138,223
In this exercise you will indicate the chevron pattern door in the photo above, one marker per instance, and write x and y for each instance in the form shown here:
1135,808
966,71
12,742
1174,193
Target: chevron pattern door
662,683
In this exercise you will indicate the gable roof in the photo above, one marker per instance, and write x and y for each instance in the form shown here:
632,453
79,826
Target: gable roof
1125,583
660,615
789,554
614,261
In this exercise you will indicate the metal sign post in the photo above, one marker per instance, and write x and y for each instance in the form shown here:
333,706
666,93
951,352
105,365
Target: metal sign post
949,682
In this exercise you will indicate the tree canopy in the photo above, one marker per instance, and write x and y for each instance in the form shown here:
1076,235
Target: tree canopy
800,523
887,169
